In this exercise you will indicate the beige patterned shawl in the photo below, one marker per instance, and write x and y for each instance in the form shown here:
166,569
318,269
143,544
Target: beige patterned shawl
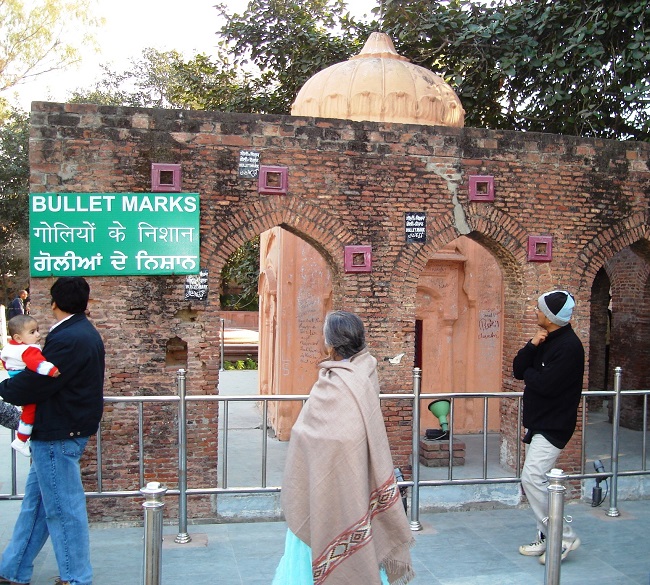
339,493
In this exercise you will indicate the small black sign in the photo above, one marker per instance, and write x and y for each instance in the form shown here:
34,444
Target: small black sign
249,164
196,286
415,227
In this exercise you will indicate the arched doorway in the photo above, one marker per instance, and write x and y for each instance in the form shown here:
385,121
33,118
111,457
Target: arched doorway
295,293
629,348
459,340
599,337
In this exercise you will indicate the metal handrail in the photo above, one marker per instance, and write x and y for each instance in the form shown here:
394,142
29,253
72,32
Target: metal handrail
415,483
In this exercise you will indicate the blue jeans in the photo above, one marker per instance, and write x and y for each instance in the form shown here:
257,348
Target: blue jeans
54,505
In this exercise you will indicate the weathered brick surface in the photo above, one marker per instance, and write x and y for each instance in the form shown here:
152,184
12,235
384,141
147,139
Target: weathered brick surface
349,183
435,453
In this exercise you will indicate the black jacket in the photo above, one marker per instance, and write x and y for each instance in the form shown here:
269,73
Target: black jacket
553,373
72,404
16,307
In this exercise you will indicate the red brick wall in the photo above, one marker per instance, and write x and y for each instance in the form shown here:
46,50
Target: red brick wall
349,183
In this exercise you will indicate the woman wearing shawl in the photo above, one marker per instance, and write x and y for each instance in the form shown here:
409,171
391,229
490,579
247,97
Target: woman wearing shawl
346,521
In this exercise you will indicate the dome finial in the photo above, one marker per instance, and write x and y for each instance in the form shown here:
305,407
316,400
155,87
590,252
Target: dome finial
379,45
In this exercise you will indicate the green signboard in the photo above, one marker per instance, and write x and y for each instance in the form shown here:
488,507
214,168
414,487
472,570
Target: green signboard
113,234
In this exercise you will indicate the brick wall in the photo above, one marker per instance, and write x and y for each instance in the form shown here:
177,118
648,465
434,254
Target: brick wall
349,183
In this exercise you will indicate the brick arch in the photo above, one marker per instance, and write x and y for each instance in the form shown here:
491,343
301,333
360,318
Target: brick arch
493,229
606,244
501,229
324,231
504,238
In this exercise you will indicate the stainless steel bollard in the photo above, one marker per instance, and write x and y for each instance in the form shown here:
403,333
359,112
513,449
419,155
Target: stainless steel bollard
182,537
616,423
556,489
415,456
153,524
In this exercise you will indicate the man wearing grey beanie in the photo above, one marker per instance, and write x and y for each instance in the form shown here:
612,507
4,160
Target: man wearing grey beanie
552,366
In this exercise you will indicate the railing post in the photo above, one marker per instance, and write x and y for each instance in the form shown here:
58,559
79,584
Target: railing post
223,342
415,457
153,524
182,537
14,468
553,553
616,423
3,325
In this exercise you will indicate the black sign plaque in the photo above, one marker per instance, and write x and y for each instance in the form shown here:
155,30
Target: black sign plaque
415,227
249,164
196,286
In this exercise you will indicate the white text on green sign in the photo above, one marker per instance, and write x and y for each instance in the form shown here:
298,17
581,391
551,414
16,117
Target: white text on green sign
114,234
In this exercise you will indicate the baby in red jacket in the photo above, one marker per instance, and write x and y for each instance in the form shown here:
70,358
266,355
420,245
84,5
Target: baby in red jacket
23,351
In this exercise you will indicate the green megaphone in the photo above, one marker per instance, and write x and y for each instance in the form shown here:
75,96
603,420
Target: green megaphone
440,409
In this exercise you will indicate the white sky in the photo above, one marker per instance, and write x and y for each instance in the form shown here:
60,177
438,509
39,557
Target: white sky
188,26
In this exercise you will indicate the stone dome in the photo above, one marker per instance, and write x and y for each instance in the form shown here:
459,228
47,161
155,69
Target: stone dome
380,85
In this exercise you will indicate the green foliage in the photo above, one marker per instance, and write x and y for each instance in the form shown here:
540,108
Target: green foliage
35,37
14,165
264,57
164,80
556,66
14,206
239,278
248,364
216,84
151,81
289,41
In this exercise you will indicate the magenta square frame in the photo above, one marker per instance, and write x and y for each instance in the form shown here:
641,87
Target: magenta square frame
540,248
273,180
165,178
358,259
481,188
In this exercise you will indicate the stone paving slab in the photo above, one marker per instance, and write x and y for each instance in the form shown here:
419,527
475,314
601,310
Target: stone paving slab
454,548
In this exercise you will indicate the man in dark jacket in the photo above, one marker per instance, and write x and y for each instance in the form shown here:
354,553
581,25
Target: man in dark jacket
552,365
68,411
17,306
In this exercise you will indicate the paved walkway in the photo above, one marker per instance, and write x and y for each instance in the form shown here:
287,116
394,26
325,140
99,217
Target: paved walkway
455,548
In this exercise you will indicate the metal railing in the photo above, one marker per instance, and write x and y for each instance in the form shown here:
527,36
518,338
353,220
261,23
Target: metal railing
416,483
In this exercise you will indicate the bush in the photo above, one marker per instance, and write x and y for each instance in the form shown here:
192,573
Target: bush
248,364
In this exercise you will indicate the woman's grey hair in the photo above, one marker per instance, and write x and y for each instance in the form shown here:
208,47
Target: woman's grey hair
344,332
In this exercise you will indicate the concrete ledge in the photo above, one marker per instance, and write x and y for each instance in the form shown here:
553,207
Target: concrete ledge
247,508
463,497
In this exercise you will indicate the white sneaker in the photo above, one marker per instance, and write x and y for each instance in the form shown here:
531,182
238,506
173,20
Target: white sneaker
22,447
534,549
567,547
